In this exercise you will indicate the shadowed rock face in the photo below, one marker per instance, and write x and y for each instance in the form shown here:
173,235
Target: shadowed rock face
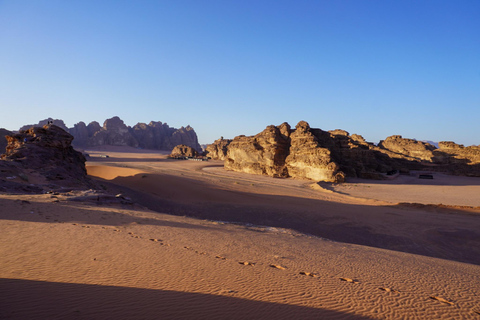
183,151
3,140
46,150
115,133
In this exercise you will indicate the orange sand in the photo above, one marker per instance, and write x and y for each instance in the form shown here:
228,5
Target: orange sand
70,260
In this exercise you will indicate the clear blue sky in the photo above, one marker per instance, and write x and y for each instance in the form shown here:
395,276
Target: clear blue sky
375,68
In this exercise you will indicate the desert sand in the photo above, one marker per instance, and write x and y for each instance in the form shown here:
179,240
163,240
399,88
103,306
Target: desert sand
201,242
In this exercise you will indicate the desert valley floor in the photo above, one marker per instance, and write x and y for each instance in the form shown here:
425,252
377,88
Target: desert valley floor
200,242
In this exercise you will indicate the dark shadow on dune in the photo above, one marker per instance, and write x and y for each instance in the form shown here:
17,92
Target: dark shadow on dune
440,235
29,212
26,299
440,232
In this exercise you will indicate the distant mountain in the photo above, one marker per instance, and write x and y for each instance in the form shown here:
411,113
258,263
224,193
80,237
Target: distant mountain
155,135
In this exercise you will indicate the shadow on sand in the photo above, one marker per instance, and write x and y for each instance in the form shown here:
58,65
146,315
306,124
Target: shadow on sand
26,299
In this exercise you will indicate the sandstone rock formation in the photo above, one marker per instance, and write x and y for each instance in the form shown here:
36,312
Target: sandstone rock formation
183,151
331,156
460,160
46,151
218,149
263,153
309,159
3,140
408,147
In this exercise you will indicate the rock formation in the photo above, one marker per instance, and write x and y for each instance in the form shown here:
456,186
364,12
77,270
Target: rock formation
264,153
309,159
41,123
218,149
115,133
158,135
460,160
46,151
3,140
408,148
155,135
183,151
333,155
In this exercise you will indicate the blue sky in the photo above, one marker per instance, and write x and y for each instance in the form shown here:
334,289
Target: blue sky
374,68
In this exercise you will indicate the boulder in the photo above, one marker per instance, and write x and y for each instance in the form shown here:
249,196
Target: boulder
46,151
183,151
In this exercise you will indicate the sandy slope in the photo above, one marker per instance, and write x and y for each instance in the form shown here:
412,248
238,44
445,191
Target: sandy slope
74,260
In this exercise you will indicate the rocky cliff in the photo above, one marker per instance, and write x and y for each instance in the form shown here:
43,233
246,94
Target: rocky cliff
264,153
44,151
218,149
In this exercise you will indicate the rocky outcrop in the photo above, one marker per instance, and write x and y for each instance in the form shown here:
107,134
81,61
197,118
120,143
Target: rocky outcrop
401,148
46,151
334,155
183,151
218,149
41,123
309,159
461,160
3,140
264,153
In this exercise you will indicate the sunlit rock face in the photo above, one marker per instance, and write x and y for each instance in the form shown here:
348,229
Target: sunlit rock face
264,153
183,151
218,149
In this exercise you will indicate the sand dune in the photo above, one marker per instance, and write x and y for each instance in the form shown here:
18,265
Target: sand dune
91,260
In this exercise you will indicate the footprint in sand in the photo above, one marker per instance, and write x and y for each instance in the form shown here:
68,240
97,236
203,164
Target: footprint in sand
442,300
246,263
277,267
309,274
388,290
154,240
349,280
220,257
